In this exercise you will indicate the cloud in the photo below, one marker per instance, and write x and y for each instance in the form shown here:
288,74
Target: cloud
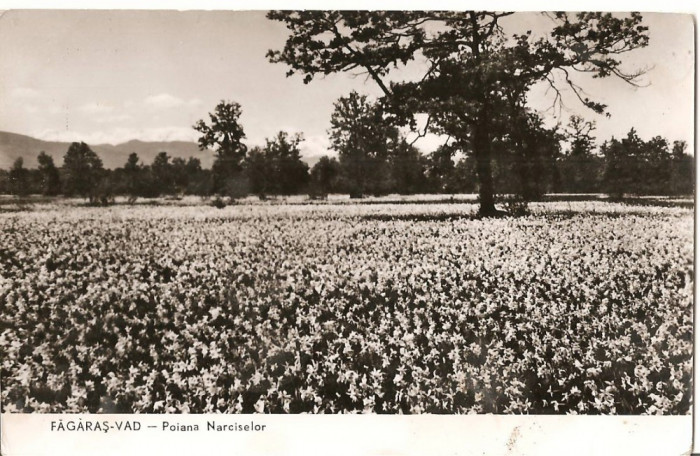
24,93
427,144
164,100
95,108
113,118
120,135
168,101
316,146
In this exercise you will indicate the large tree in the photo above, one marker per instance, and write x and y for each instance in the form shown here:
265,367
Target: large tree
225,134
475,74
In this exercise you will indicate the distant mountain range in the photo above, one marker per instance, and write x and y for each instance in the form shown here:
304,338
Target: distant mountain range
13,146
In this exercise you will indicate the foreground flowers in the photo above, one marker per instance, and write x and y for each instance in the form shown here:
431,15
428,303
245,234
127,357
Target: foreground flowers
405,308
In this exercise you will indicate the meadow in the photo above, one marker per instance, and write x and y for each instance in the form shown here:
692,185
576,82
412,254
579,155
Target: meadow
381,306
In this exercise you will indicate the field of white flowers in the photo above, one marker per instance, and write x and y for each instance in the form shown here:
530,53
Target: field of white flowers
582,307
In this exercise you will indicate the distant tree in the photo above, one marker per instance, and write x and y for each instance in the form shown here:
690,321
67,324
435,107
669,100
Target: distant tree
178,175
19,178
440,169
407,167
474,71
464,177
682,170
259,171
225,134
277,168
656,167
580,169
162,174
48,175
82,171
324,177
622,164
198,180
132,173
646,167
193,166
579,136
132,163
363,138
5,186
290,173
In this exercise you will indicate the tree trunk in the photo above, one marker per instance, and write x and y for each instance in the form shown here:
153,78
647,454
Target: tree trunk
482,153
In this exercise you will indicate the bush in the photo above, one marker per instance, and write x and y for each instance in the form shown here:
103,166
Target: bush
514,205
317,194
237,187
218,202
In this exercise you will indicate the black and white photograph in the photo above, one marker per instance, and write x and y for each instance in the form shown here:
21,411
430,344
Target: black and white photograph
330,212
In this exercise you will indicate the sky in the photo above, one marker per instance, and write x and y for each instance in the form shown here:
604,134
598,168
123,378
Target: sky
114,76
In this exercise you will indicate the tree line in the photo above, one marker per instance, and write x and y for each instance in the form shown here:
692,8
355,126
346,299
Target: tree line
373,158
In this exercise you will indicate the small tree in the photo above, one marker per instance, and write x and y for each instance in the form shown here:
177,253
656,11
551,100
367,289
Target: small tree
225,135
82,170
19,178
48,173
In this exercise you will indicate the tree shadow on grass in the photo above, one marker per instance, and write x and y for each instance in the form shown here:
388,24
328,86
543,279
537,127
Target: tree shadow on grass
419,217
657,202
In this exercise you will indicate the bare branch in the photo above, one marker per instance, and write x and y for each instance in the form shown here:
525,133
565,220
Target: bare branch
424,132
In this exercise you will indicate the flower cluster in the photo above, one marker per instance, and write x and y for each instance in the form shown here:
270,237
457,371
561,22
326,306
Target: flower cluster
383,308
